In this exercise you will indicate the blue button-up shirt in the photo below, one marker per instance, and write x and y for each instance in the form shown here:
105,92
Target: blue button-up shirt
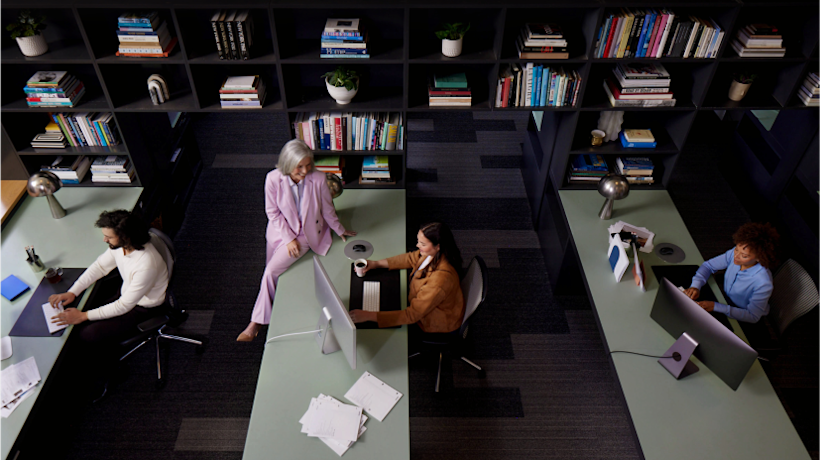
748,289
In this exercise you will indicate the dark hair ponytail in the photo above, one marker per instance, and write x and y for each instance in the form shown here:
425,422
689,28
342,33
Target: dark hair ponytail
439,234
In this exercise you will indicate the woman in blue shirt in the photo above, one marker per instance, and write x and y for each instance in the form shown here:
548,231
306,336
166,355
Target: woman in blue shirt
748,280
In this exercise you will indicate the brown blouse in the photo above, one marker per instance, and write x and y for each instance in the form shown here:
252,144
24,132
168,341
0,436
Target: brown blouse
435,301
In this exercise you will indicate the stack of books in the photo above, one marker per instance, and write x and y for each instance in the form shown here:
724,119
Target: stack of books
449,91
536,86
809,93
541,41
233,32
70,170
375,170
637,139
759,40
639,85
53,88
49,141
350,130
638,170
245,92
656,33
144,35
330,164
344,38
112,169
587,168
87,129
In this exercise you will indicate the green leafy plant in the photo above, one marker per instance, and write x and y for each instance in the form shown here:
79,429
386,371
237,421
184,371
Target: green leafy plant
452,31
343,77
29,23
744,77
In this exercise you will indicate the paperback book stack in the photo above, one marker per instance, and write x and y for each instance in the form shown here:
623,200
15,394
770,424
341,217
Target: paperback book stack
638,170
144,35
350,130
637,139
88,129
536,86
541,41
375,170
53,88
246,92
449,91
112,169
70,169
809,93
233,32
53,138
759,40
587,169
639,85
344,38
656,33
330,164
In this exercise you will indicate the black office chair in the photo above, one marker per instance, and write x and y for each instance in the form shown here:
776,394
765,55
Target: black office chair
474,287
153,329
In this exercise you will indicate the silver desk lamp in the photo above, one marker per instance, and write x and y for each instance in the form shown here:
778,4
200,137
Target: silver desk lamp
45,183
612,187
334,184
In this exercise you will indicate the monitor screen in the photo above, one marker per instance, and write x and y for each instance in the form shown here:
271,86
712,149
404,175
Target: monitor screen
724,353
341,326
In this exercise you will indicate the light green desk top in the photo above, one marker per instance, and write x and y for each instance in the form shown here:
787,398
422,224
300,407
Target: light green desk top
71,242
293,369
697,417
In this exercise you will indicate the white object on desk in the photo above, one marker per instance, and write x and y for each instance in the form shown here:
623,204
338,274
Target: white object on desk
374,396
329,419
340,447
17,381
48,312
5,347
642,232
618,260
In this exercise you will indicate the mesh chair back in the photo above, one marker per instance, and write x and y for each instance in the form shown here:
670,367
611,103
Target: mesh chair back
794,295
165,247
474,289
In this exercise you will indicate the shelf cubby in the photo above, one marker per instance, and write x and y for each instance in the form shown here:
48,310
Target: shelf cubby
100,25
208,80
769,88
799,31
568,66
128,88
688,82
481,78
200,45
353,169
670,129
380,88
577,25
479,44
65,42
15,77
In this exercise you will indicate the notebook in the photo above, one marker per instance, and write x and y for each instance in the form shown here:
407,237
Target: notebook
12,287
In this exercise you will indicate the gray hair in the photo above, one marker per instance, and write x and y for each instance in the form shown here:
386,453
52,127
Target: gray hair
292,153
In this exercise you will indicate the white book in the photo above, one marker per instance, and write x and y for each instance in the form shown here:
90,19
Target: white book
528,92
342,25
613,50
666,32
243,82
691,38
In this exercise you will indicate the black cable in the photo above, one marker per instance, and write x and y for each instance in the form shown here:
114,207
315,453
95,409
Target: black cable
641,354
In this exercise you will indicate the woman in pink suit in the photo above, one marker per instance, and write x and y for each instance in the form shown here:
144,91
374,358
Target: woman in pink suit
300,216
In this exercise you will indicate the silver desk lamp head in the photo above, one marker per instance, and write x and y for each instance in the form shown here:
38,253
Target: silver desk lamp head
612,187
334,184
45,183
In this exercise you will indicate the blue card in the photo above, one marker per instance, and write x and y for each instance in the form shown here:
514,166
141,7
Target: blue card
12,287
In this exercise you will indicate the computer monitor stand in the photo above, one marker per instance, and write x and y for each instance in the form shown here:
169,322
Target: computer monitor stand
680,366
325,337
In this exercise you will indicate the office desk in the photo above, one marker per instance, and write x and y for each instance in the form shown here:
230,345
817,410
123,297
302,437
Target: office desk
293,369
72,241
12,192
698,416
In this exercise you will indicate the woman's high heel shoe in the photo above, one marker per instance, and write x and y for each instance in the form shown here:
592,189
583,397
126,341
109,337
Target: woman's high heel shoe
244,337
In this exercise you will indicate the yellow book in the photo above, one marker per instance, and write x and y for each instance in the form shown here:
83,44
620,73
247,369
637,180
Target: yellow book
630,18
53,128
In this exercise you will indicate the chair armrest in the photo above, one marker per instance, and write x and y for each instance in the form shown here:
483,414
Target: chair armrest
153,323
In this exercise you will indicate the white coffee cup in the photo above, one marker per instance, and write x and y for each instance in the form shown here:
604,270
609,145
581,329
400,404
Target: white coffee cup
359,265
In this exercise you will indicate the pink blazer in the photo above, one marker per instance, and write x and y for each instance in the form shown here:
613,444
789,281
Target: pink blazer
318,213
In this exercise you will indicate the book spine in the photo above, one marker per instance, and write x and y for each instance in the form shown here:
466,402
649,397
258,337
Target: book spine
232,39
545,78
100,135
641,35
342,34
343,51
391,137
631,44
78,132
243,45
219,51
630,18
226,49
59,120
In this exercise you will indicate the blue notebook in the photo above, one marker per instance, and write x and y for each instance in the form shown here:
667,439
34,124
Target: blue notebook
13,287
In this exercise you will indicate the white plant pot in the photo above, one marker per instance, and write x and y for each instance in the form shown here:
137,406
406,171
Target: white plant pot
738,90
340,93
32,46
451,48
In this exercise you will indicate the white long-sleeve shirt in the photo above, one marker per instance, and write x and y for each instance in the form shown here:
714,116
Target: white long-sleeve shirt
144,280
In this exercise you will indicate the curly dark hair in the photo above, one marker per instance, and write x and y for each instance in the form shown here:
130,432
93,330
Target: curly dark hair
129,228
762,240
439,234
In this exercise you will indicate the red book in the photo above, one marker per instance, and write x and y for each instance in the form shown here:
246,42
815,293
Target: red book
505,92
67,96
609,38
337,123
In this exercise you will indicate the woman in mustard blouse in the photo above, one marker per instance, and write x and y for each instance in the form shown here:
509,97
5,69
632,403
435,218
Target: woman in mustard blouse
436,303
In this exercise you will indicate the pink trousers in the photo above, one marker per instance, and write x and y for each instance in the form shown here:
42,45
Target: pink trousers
278,263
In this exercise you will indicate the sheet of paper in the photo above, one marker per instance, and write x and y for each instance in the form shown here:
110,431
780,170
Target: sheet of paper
332,420
340,447
6,410
48,312
18,379
374,396
642,232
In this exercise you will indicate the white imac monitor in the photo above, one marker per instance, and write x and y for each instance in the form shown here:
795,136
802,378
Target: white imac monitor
336,329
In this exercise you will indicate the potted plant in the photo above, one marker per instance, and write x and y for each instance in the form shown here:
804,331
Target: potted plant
342,84
452,36
27,31
740,85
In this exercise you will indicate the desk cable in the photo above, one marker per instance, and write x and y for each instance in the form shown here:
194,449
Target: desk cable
286,335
